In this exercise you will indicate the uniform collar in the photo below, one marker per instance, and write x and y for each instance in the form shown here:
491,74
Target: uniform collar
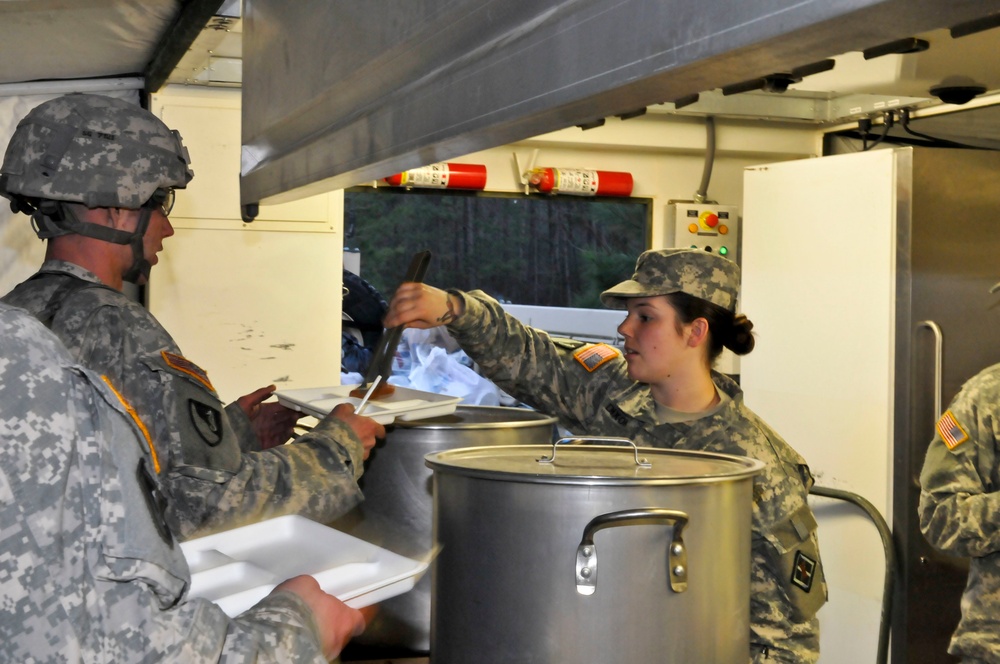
637,401
72,269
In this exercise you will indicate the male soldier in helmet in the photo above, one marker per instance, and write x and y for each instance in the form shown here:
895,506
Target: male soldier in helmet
108,583
97,175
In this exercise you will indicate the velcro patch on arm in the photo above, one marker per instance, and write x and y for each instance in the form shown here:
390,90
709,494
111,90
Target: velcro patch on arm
951,431
138,423
187,366
594,355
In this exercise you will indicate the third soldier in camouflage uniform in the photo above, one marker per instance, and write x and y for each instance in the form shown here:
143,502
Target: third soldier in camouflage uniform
662,393
88,570
97,176
960,508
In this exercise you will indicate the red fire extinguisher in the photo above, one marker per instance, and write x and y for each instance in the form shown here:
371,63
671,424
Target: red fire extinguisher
442,176
579,182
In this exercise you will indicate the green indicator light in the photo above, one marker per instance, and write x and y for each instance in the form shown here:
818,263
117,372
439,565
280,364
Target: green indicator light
723,251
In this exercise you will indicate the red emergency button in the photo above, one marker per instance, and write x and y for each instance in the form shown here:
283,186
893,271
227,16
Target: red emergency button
708,219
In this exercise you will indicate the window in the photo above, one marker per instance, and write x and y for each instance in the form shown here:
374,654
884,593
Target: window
559,251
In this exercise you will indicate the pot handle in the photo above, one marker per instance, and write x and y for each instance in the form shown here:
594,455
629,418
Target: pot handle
575,440
586,553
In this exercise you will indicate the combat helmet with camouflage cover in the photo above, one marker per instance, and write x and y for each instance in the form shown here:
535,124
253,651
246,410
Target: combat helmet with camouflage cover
96,151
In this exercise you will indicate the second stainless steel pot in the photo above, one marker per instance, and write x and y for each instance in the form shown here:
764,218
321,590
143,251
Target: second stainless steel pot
397,511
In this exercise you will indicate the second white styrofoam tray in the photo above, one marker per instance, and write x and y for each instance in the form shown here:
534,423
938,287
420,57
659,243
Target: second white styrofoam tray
237,568
404,403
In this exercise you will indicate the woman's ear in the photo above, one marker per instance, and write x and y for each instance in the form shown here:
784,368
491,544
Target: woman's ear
699,332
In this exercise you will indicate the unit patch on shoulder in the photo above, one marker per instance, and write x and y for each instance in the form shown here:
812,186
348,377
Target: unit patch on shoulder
207,422
951,431
188,367
594,355
803,571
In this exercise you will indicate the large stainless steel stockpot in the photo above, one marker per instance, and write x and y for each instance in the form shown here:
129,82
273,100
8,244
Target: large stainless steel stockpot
397,511
591,553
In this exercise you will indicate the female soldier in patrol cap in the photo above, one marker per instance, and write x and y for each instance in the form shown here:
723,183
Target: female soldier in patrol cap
661,392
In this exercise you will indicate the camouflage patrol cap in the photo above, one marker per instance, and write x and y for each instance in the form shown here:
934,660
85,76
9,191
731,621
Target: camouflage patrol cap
661,272
95,150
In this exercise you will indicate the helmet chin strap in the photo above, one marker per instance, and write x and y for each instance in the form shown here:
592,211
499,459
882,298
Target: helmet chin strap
69,223
140,266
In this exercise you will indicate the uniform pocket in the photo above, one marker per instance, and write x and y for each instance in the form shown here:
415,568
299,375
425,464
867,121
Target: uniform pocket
135,542
794,556
209,449
141,548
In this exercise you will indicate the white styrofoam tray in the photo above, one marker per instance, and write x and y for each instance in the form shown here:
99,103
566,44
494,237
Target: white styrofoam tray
239,567
404,403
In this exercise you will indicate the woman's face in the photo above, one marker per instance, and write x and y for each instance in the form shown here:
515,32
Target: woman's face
654,349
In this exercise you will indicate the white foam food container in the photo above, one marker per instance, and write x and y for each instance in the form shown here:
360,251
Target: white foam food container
404,403
237,568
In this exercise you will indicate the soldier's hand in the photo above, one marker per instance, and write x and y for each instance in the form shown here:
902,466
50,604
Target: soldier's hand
337,622
367,429
422,306
272,422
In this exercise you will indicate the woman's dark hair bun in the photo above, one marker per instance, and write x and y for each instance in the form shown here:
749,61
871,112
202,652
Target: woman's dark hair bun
740,339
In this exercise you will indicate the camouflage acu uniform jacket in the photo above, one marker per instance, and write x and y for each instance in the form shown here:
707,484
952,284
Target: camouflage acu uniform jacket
786,585
960,508
88,572
215,475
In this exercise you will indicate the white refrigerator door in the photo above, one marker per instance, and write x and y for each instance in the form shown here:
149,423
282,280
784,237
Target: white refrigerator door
818,283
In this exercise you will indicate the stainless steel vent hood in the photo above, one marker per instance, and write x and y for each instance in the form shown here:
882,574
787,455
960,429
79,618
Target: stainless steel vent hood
338,93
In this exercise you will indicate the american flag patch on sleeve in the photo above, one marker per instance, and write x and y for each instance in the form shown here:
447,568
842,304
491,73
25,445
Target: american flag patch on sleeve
951,431
595,355
188,367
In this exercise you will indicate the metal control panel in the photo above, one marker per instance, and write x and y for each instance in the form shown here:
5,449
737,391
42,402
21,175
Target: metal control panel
707,226
710,227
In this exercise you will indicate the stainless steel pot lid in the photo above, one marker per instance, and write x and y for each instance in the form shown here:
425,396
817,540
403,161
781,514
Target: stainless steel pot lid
580,461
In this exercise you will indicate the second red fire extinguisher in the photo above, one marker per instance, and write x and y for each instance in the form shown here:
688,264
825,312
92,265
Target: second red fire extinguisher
442,176
580,182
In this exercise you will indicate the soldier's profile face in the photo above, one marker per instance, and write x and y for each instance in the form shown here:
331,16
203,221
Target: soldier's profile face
655,343
159,228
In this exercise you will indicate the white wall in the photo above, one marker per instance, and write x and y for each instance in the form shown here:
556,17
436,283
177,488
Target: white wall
256,303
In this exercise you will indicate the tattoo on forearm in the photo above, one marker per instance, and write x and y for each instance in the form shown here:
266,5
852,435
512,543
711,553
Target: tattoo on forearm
449,315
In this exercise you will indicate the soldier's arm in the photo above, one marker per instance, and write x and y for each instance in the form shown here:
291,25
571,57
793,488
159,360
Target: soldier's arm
313,476
526,362
959,512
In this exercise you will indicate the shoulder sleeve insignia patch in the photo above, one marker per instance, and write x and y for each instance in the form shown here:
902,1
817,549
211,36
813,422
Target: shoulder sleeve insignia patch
951,431
207,422
594,355
803,571
187,366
